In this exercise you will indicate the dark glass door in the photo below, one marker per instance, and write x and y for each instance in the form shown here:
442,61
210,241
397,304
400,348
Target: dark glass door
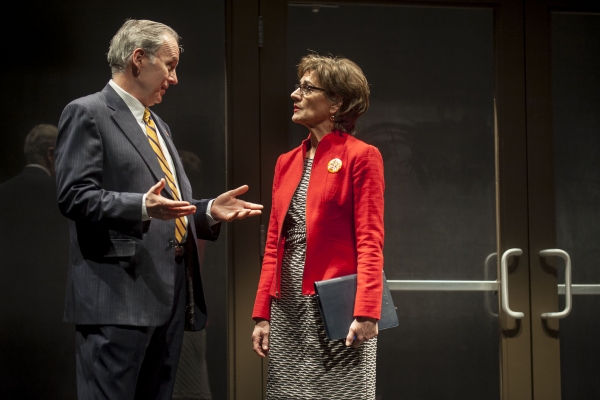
563,75
442,115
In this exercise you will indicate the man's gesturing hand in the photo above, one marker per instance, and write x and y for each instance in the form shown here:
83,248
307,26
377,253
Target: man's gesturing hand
227,207
160,207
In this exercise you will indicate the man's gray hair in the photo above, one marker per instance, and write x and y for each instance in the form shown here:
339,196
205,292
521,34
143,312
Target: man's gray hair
38,141
134,34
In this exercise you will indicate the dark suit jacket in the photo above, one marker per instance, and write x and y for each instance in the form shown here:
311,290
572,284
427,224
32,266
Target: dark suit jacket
122,270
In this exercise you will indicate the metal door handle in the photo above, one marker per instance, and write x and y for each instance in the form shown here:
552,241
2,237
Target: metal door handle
565,256
486,271
504,282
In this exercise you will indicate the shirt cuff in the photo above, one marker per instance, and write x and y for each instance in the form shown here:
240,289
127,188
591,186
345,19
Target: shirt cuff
145,216
210,219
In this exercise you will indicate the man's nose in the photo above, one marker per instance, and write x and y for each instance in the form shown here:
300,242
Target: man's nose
173,78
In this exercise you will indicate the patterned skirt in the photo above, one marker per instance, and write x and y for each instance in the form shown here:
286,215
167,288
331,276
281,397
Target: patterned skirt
303,362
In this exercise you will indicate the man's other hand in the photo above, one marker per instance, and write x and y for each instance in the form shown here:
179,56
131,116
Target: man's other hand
160,207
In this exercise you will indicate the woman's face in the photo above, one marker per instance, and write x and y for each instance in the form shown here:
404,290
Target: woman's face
312,110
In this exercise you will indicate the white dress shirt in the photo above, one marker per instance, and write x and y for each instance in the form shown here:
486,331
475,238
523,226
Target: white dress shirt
137,109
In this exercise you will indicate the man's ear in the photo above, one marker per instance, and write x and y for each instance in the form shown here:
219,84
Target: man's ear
137,58
50,154
49,161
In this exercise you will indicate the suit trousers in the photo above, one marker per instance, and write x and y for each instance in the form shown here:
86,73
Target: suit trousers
116,362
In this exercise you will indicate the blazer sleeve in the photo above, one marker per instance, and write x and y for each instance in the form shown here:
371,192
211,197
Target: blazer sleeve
79,160
262,304
369,186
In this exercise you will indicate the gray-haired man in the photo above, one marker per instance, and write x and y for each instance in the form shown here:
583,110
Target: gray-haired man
134,282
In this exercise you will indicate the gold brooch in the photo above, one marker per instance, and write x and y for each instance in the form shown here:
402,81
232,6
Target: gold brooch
334,165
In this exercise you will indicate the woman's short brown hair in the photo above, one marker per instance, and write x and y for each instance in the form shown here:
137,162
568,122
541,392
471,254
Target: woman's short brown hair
343,82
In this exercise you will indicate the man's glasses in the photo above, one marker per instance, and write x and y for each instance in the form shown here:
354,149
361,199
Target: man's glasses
307,89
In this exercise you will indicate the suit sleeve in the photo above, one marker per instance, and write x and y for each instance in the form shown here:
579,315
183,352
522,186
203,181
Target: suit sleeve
262,304
369,186
203,229
79,160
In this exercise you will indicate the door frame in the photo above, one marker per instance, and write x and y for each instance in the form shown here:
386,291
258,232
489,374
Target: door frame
257,118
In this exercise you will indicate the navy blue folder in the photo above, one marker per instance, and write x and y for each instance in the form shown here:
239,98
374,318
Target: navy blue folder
336,303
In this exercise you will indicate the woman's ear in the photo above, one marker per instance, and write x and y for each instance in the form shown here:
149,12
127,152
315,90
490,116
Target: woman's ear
335,107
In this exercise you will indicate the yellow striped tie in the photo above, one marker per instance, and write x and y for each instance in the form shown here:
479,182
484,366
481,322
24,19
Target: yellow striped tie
180,223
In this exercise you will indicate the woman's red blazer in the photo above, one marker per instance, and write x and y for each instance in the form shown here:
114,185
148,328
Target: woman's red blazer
344,221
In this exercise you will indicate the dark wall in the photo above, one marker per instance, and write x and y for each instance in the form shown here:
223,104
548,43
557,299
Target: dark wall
55,52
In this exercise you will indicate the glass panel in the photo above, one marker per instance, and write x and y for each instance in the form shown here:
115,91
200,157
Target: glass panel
200,120
431,73
576,129
37,349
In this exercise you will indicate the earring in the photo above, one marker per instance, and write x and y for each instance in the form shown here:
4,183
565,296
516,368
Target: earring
332,117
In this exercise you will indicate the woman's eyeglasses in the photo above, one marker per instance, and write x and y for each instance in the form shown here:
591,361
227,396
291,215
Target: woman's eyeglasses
307,89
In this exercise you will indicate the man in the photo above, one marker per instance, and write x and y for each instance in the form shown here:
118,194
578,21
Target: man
38,174
36,347
134,280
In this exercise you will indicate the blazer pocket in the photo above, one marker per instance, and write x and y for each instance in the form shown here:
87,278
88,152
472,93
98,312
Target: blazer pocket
121,248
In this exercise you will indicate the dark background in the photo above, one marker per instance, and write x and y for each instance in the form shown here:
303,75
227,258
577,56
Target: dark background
55,52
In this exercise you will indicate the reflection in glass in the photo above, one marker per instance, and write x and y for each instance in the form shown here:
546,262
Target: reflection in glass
431,116
37,350
200,139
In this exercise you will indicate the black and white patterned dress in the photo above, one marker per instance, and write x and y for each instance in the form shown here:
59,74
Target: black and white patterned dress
303,363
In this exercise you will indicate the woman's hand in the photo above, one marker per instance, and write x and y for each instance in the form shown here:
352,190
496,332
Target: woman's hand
260,338
361,330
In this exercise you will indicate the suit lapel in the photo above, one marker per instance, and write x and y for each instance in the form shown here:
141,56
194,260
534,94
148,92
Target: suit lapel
131,129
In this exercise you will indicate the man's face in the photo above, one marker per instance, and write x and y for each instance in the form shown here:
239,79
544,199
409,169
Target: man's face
156,76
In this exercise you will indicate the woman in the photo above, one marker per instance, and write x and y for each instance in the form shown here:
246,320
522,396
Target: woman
326,221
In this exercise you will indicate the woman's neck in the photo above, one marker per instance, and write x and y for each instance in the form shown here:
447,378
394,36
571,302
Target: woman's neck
318,131
315,139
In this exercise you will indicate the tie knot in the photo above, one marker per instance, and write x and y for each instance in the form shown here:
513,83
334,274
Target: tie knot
146,115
